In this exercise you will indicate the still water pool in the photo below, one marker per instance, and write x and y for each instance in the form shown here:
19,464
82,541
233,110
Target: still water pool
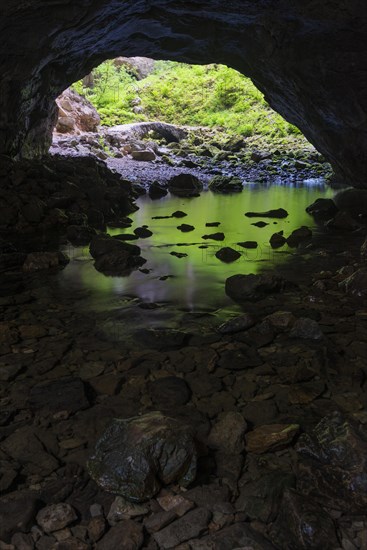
196,282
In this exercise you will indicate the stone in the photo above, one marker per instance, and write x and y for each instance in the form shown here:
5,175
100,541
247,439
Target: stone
185,185
228,434
239,359
306,328
123,509
80,235
302,394
39,261
24,446
126,535
276,213
191,525
237,324
143,232
356,284
185,228
66,394
178,214
333,464
76,113
303,524
21,541
281,320
298,235
225,184
322,208
158,521
227,255
352,201
136,456
248,244
17,513
175,503
157,190
96,528
147,155
214,237
252,287
260,224
169,392
277,240
178,254
270,437
342,221
56,516
239,536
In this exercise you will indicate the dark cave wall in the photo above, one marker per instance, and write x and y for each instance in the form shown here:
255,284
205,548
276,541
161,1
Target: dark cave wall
309,58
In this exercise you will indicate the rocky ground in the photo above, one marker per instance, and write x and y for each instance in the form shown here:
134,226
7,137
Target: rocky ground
252,434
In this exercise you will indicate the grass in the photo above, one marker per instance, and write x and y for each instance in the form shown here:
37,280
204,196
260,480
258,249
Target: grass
214,96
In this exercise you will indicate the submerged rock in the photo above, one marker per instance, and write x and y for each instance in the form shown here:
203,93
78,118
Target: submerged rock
143,232
136,456
253,287
306,328
298,235
277,213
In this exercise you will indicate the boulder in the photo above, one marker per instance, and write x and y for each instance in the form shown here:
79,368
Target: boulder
185,185
225,184
76,114
242,288
227,255
136,456
56,517
298,235
322,208
277,240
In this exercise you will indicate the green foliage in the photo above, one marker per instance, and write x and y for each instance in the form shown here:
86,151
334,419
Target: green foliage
195,95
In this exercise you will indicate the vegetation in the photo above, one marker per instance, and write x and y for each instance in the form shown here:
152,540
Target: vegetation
214,96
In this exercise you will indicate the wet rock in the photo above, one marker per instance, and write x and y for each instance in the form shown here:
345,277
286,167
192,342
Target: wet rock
17,513
80,235
104,244
276,213
333,464
353,201
96,218
123,509
260,224
237,324
126,535
281,320
225,184
322,208
364,249
212,224
39,261
248,244
55,517
302,394
186,228
24,446
134,457
115,257
227,255
260,499
214,237
270,437
356,284
253,287
277,240
185,185
237,536
144,155
190,526
306,328
157,190
178,214
178,254
66,394
302,523
169,392
342,221
228,433
239,359
298,235
143,232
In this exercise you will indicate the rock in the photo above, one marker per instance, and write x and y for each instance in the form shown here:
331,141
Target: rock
76,113
17,513
364,249
281,320
302,394
277,240
333,466
145,155
126,535
139,66
277,213
239,536
298,235
169,392
158,521
356,284
252,287
225,184
212,224
186,228
303,524
25,446
143,232
66,394
342,221
353,201
115,257
55,517
178,254
214,237
237,324
270,437
227,255
178,214
191,525
185,185
239,359
39,261
260,224
134,457
123,509
21,541
177,504
157,190
80,235
96,528
261,499
248,244
228,433
104,244
306,328
322,208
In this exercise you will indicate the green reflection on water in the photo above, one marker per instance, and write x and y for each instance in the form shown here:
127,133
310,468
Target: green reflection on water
197,281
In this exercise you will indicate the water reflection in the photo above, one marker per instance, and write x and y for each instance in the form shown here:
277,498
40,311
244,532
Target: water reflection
197,281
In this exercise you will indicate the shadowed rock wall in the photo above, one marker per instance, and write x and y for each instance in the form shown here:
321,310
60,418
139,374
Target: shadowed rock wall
309,57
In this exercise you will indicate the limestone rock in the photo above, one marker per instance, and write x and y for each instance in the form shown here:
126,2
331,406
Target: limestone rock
56,516
76,113
136,456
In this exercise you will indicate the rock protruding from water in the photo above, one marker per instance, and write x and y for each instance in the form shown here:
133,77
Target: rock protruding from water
227,255
185,185
334,463
225,184
242,288
136,456
115,257
276,213
322,208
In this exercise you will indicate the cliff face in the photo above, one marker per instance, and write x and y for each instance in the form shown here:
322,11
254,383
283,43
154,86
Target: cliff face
309,57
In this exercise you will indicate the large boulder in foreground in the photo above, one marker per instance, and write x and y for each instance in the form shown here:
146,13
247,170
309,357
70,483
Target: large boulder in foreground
334,463
136,456
242,288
